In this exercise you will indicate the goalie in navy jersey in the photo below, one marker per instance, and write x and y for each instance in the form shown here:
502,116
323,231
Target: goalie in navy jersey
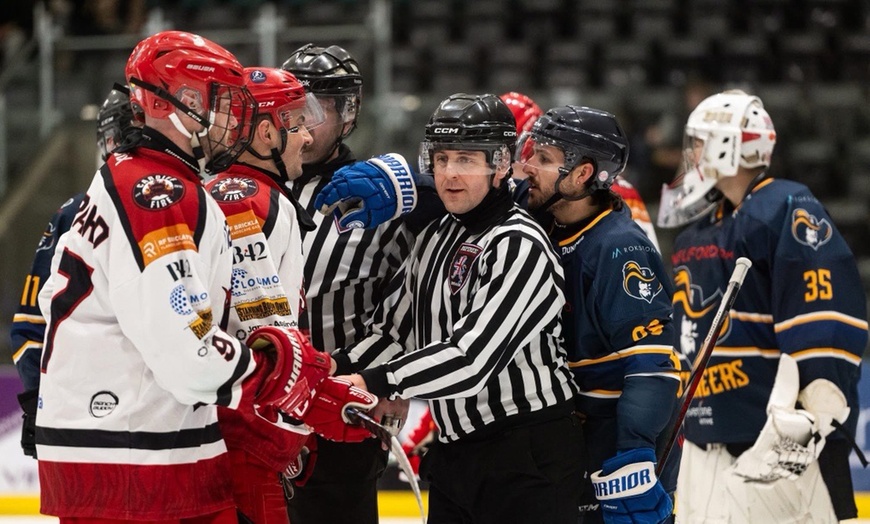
618,316
761,444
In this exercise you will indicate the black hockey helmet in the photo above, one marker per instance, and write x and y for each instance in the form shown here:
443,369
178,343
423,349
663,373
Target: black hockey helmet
329,72
325,70
471,122
115,120
583,133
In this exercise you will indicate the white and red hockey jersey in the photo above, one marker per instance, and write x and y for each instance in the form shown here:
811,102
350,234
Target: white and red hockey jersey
266,291
134,363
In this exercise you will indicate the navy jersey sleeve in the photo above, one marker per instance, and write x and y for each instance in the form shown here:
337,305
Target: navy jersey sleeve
635,314
28,324
818,304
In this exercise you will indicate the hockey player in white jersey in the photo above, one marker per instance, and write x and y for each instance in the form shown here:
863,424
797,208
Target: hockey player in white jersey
134,360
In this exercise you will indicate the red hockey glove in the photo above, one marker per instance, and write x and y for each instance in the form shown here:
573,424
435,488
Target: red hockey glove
297,370
325,413
300,470
418,442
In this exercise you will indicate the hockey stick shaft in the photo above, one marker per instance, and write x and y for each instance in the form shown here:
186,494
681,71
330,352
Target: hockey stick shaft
384,435
742,266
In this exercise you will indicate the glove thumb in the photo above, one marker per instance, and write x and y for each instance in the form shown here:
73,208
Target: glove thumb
784,393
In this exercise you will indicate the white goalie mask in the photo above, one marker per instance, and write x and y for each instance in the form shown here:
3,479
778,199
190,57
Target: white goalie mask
725,132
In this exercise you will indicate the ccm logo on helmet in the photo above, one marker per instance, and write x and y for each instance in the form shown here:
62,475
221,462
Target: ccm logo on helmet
446,130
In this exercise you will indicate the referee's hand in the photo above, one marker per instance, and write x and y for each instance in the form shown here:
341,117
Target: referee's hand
355,379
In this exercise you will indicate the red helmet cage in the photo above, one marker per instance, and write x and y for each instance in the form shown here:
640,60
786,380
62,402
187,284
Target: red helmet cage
525,110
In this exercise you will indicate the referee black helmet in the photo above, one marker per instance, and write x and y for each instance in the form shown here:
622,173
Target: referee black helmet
473,123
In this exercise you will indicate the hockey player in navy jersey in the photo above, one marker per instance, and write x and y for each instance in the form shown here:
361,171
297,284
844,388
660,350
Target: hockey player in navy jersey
796,332
618,317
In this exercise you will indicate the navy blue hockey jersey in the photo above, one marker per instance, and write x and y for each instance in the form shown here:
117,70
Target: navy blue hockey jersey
618,327
28,324
802,296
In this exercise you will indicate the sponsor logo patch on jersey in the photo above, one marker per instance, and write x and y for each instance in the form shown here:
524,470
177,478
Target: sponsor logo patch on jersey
809,230
640,282
165,240
178,300
234,188
155,192
102,404
461,264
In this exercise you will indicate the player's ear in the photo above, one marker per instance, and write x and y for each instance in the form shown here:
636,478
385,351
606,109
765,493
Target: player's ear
581,175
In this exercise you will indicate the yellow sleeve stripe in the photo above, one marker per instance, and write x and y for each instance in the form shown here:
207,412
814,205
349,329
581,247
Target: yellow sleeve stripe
601,393
746,351
667,374
33,319
635,350
841,354
751,317
24,347
818,316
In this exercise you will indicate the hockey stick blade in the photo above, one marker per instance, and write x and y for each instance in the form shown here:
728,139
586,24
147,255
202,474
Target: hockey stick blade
383,434
742,265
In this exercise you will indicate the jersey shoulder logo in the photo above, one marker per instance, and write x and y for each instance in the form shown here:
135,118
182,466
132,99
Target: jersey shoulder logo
461,265
809,230
234,188
155,192
640,282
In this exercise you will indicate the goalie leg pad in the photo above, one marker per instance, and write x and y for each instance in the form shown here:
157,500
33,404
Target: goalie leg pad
701,486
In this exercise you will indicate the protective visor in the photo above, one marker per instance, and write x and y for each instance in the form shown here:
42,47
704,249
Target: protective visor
537,152
466,158
304,112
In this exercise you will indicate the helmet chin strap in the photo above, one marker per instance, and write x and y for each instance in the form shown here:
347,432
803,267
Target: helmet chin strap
558,195
306,223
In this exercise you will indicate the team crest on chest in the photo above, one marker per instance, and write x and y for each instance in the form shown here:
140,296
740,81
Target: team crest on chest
461,265
155,192
810,231
234,188
640,282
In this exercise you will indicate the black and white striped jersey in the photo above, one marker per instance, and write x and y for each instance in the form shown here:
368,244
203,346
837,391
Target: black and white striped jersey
345,271
473,326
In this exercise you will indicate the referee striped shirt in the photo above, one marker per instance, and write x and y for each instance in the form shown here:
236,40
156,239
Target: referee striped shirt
345,271
473,326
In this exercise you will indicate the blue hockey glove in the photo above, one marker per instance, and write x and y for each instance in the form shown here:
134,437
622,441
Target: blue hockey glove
368,194
629,491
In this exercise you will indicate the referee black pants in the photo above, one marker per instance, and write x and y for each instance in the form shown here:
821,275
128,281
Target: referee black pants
343,488
526,475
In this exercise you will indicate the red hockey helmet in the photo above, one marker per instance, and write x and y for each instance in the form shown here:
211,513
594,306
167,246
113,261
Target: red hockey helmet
176,70
279,95
525,110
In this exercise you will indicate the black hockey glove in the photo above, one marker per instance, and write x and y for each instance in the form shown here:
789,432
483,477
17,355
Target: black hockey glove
28,401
